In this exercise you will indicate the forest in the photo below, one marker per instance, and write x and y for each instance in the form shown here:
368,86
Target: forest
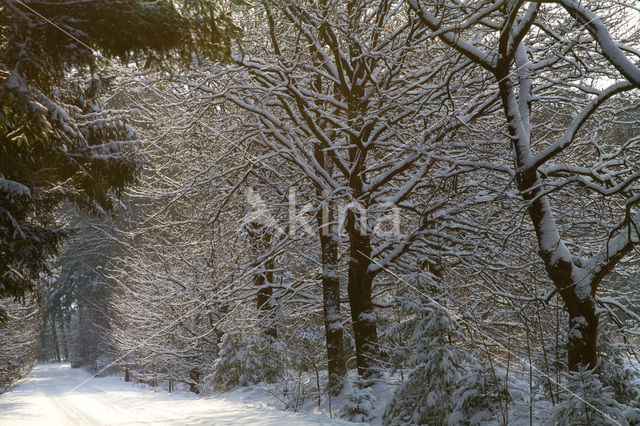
436,198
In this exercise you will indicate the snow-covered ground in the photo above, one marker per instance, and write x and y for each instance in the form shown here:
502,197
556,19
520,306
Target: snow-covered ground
49,397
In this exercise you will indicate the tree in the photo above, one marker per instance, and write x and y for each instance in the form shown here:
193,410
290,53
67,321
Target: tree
342,101
19,341
438,367
176,272
538,72
57,142
78,297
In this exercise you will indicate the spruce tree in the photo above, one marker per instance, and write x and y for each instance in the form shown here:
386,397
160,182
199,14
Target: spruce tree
57,142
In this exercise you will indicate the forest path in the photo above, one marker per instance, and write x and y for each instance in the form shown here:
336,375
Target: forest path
49,397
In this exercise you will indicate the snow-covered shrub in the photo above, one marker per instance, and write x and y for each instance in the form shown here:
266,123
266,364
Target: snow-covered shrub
359,404
104,366
587,401
19,341
438,366
447,385
245,361
480,395
623,380
294,390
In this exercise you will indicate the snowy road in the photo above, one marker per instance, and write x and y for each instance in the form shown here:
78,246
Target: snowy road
48,397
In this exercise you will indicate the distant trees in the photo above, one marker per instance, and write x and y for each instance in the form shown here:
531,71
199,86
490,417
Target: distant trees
76,302
380,155
19,340
57,141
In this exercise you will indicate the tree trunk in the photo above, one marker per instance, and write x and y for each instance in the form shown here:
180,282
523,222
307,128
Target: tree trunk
67,338
54,335
194,375
334,332
583,332
360,279
360,301
264,299
260,237
578,295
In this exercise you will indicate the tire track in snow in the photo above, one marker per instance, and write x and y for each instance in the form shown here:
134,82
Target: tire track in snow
49,397
71,413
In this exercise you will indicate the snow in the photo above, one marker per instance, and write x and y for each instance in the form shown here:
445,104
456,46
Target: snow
14,81
330,270
367,316
49,395
600,33
580,277
577,323
13,190
484,197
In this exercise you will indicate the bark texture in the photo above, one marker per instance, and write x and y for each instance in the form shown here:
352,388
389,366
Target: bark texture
334,331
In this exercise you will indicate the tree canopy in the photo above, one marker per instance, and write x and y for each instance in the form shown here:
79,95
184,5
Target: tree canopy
57,142
442,193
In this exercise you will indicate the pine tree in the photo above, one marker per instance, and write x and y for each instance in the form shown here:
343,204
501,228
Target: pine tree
425,396
359,404
57,142
479,397
588,401
615,373
245,361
